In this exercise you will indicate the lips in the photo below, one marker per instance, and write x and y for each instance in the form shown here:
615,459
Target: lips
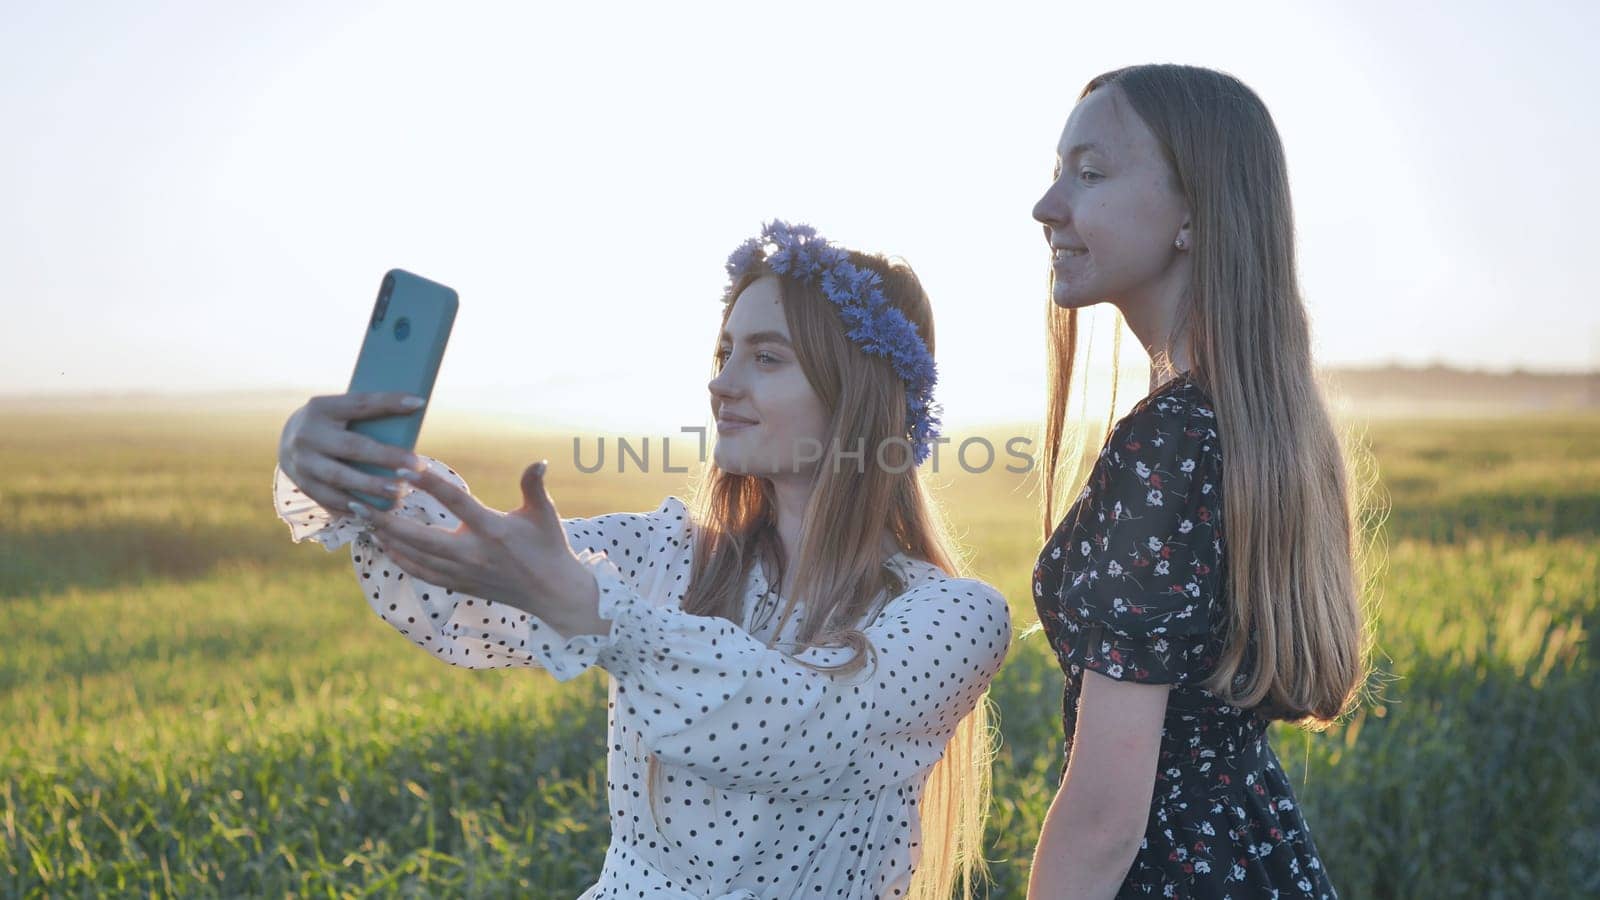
730,422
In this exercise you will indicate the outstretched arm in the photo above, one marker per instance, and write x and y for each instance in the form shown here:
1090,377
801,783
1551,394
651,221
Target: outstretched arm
453,620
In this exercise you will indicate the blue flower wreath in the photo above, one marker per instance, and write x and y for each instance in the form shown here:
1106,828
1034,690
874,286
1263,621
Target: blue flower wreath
871,321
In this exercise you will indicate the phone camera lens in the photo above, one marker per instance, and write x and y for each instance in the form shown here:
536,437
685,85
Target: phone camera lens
380,309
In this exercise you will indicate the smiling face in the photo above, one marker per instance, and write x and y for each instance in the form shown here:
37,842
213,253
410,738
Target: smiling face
1113,210
770,421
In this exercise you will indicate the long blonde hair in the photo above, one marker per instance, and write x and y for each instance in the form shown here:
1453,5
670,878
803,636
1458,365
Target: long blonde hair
1297,524
840,570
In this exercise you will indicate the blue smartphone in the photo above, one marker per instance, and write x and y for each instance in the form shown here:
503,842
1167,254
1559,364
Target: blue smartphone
405,341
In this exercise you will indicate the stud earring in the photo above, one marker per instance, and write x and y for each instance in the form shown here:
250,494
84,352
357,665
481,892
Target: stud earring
1178,243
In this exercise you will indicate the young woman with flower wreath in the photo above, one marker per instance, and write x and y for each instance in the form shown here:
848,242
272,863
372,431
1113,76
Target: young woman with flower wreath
797,671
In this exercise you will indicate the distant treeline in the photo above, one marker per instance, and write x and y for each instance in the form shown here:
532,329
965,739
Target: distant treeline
1442,389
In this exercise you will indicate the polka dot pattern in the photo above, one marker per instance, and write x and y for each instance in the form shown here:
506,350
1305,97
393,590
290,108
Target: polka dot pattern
776,780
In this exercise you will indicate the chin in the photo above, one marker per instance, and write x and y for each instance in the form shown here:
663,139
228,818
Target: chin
1071,300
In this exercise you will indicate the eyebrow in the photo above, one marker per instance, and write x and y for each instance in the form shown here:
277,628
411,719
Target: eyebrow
1087,147
761,337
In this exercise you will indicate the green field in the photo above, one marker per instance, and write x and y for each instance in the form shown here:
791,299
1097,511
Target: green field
192,705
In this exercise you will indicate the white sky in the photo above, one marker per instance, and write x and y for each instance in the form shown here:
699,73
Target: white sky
203,196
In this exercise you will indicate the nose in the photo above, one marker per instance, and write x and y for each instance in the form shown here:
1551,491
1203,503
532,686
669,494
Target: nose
1049,211
721,387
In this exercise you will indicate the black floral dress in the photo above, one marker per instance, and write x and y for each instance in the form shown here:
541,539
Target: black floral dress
1132,585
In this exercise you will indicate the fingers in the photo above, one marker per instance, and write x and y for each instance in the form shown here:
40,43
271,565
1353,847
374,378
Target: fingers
329,496
416,562
350,446
362,405
343,479
535,496
473,514
424,539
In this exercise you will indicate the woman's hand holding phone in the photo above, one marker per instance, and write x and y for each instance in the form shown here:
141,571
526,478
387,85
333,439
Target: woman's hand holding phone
315,446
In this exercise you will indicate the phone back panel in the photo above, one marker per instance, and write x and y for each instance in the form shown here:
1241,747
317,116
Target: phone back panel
406,336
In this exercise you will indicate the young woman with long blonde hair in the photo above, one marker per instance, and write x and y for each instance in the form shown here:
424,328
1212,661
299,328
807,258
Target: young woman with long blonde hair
1205,580
798,672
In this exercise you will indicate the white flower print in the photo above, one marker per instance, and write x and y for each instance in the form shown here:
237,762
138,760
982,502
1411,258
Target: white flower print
1143,526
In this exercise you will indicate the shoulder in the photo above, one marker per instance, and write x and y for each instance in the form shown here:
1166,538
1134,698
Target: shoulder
1173,428
930,587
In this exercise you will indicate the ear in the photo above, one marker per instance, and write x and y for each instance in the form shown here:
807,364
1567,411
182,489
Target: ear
1183,241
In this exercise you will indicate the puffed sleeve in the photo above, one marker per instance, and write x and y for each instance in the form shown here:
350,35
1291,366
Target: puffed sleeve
715,700
1150,556
469,631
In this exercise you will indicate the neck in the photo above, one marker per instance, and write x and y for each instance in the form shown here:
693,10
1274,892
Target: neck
792,493
1152,314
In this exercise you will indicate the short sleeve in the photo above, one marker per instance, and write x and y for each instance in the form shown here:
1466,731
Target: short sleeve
1148,554
473,632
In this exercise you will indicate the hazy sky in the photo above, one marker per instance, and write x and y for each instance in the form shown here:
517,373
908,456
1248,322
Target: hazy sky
199,196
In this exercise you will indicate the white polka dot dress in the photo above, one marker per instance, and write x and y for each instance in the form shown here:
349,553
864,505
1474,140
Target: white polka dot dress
776,780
